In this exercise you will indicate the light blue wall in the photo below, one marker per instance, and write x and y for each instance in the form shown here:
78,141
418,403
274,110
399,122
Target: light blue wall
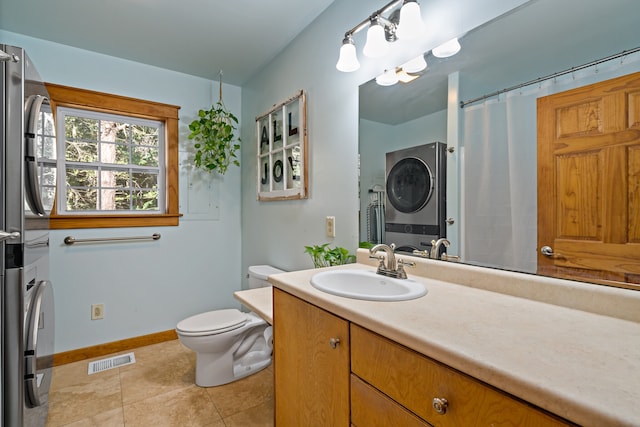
276,232
146,287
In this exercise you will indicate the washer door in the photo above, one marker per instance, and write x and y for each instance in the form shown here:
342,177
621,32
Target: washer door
409,185
39,139
39,340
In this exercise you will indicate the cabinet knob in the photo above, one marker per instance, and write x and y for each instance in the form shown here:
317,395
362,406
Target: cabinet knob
440,405
333,342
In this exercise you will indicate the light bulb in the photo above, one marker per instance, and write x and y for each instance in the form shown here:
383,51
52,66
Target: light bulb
406,78
377,44
410,25
388,78
415,65
348,60
447,49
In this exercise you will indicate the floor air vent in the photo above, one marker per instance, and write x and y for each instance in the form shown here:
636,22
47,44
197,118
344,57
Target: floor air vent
112,362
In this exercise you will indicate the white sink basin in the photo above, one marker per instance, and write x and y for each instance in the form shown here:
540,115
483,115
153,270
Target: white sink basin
367,285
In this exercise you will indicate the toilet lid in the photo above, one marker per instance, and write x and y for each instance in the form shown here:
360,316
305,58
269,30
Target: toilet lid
262,272
213,321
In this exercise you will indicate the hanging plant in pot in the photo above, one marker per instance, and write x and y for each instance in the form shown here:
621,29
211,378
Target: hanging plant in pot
214,133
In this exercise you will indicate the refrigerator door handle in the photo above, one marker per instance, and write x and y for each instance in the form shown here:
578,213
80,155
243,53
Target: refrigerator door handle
4,235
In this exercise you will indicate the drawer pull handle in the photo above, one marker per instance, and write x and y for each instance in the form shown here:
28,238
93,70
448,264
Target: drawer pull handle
333,342
440,405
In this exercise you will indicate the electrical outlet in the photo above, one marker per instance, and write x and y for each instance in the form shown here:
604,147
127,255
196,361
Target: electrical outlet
97,311
330,225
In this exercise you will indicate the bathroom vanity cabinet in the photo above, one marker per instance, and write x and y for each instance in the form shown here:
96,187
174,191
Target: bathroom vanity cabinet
329,371
499,347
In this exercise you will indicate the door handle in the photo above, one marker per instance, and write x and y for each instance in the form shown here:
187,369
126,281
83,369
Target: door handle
548,252
6,235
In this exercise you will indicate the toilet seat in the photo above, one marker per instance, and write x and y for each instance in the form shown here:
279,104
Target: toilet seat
212,322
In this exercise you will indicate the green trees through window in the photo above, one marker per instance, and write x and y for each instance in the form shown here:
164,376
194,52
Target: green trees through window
112,163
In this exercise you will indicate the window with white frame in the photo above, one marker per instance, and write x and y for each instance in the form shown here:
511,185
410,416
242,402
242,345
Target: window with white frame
109,163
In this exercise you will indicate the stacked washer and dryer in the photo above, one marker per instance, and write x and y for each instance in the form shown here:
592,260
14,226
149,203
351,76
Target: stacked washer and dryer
415,207
26,293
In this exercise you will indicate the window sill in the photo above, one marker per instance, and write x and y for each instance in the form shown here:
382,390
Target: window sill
63,222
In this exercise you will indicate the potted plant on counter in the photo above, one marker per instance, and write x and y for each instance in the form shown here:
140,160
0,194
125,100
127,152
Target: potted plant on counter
324,256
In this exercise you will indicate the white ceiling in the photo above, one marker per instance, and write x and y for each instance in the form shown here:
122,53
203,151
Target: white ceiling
239,37
197,37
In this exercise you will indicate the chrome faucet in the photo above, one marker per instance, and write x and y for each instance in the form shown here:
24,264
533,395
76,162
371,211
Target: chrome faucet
393,268
435,247
389,252
435,250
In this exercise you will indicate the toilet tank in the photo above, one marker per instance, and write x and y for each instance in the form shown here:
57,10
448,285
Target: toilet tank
258,275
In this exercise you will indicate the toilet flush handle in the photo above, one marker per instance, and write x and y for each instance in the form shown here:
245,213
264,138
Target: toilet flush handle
333,342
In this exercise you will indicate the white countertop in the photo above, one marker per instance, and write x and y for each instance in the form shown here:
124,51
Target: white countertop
580,365
259,300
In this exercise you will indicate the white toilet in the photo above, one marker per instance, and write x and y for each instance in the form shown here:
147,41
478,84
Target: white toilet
229,344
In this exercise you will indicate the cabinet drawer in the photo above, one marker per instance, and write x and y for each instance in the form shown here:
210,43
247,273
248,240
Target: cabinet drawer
414,381
370,408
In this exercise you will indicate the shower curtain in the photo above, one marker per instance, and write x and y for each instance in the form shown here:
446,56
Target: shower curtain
499,195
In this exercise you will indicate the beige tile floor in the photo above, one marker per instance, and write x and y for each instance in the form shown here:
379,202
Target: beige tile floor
158,390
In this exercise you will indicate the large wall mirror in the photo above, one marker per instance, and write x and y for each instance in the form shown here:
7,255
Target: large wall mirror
494,189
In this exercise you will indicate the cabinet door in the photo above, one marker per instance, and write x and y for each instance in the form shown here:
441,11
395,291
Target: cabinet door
311,368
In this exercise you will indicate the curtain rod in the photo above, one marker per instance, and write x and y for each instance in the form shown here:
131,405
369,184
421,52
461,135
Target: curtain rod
551,76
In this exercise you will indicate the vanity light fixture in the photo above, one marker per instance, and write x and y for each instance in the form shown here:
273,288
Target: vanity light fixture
405,73
377,45
410,25
391,77
405,23
415,65
388,78
447,49
348,60
405,77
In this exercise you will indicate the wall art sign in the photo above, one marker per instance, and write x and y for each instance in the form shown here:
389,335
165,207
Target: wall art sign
281,136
